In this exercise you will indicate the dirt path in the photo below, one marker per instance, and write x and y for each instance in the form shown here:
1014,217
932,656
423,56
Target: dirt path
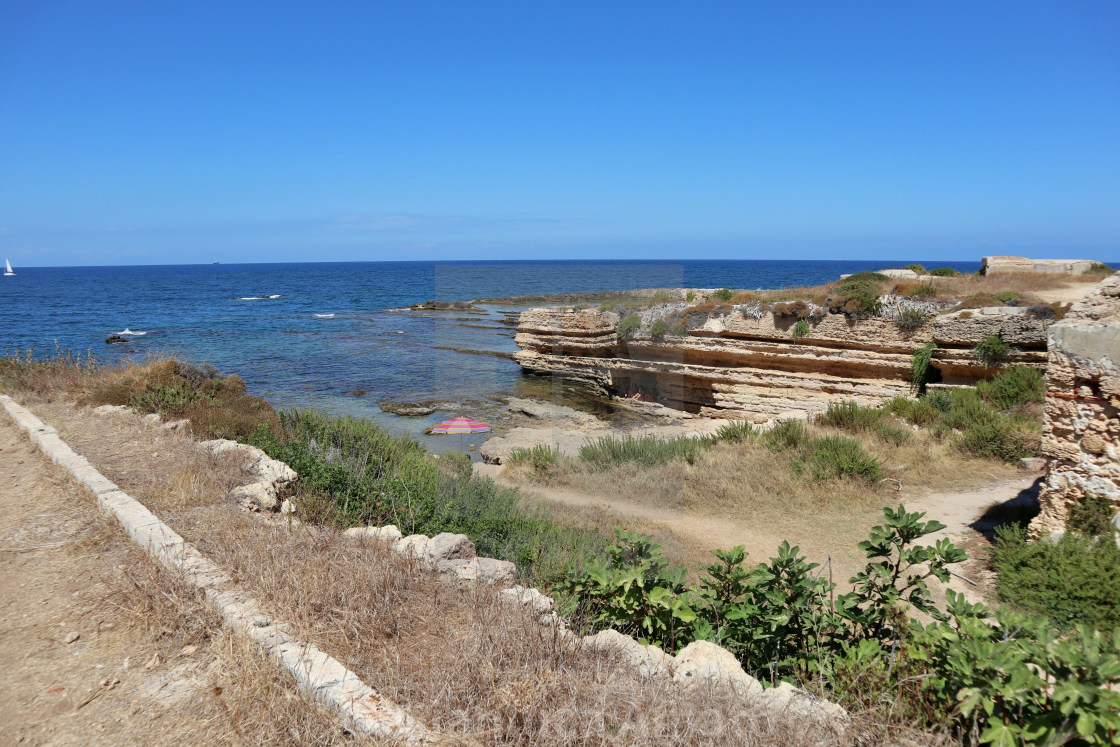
98,646
961,512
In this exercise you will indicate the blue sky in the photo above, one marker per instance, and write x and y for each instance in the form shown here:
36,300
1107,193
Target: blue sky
151,133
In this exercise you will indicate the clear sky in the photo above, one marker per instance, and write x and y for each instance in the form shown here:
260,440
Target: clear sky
178,132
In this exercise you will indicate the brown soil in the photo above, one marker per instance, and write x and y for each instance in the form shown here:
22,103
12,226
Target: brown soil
151,664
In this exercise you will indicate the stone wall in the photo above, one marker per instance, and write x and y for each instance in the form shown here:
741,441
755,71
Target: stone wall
1081,431
1004,265
738,364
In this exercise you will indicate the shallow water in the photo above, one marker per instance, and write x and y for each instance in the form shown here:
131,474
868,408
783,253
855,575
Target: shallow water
334,335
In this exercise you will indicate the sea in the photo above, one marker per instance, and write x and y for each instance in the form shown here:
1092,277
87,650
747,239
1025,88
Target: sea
338,336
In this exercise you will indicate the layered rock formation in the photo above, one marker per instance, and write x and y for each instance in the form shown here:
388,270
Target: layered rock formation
742,363
1081,431
1004,265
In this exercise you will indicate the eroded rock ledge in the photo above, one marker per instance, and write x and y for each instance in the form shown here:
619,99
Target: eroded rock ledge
745,364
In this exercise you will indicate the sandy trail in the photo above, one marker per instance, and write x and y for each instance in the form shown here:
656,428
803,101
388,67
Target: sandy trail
960,511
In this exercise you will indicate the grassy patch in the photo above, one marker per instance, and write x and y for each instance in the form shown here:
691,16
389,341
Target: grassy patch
736,431
723,295
641,451
539,459
373,477
1099,269
1018,385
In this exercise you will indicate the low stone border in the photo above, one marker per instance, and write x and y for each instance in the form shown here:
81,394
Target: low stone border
324,678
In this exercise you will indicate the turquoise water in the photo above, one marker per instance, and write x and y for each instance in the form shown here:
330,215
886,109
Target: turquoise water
333,335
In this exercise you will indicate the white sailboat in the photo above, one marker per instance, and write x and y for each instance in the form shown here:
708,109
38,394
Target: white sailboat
8,271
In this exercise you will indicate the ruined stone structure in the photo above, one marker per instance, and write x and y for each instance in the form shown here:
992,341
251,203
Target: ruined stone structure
742,363
1081,432
1005,265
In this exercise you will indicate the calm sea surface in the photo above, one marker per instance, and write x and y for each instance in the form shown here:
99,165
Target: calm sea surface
332,335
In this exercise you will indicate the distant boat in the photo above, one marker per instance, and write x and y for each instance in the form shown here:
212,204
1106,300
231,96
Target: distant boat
215,263
8,271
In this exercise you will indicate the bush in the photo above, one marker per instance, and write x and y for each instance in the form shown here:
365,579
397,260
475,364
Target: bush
1018,385
658,329
944,272
917,412
375,478
1099,268
998,437
540,458
795,309
644,451
1092,515
690,296
921,370
735,431
858,295
850,416
1041,311
911,319
925,290
920,269
455,463
801,329
1075,580
786,435
628,326
723,295
1007,297
991,351
833,457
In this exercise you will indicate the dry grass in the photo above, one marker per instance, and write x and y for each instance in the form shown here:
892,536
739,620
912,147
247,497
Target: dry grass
460,659
754,480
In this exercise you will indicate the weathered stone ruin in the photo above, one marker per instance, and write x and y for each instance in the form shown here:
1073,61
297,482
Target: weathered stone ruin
1081,431
1005,265
740,362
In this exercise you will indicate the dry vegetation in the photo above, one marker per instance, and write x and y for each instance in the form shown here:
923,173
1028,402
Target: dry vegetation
458,658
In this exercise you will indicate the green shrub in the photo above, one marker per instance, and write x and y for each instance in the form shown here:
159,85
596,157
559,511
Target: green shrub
786,435
921,369
658,329
690,296
991,351
918,412
540,458
801,329
1092,515
1018,385
858,295
851,416
736,431
643,451
1075,580
944,272
893,434
723,295
1099,268
455,463
911,319
375,478
628,326
920,269
1006,297
998,437
635,591
833,457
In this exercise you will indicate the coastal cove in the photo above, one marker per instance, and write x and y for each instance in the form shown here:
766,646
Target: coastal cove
338,336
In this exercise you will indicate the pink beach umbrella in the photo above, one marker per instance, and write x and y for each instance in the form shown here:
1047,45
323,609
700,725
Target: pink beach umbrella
460,425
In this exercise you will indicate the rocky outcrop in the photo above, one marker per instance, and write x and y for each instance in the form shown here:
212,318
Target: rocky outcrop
273,476
1081,429
1005,265
745,363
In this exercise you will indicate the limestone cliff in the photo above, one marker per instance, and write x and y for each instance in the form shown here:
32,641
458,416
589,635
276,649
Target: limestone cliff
739,362
1081,430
